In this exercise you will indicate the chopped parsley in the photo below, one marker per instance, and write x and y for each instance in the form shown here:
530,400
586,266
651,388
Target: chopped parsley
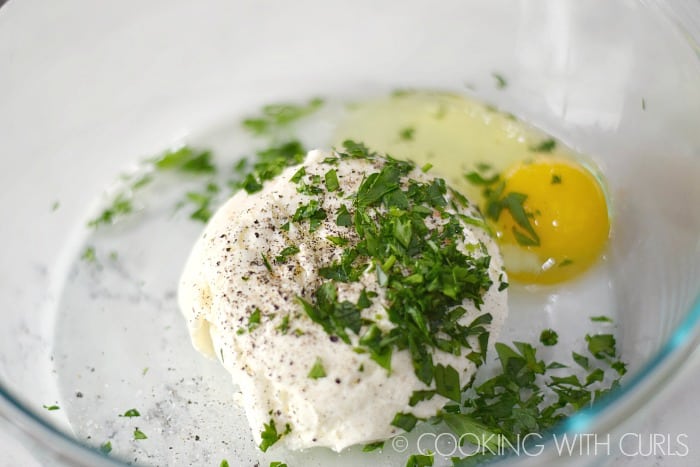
549,337
406,134
89,255
425,275
405,421
373,446
138,434
556,179
254,320
51,408
548,145
224,463
106,447
601,345
270,162
274,117
566,262
270,436
317,371
501,82
277,464
496,202
531,396
284,325
201,201
55,206
266,262
184,159
420,460
131,413
601,319
121,206
286,253
331,179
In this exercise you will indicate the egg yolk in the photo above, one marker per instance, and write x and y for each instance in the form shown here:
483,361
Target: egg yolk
566,208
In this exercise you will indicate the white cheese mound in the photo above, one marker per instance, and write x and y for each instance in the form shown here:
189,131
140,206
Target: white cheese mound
226,281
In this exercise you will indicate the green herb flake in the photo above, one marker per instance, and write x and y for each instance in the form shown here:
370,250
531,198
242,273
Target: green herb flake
224,463
405,421
344,218
284,325
331,180
601,345
548,145
277,116
426,167
270,436
89,255
317,371
106,447
549,337
501,82
556,179
277,464
51,408
121,206
131,413
339,241
186,159
420,460
566,262
254,320
406,134
266,262
298,175
286,253
138,434
373,446
601,319
447,382
55,206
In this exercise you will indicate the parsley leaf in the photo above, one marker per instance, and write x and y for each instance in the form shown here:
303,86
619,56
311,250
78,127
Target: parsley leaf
405,421
548,337
131,413
548,145
286,253
373,446
406,134
106,447
501,82
420,460
270,436
317,371
186,159
331,179
276,116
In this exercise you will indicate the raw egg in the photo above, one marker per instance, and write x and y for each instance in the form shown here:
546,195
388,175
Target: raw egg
554,222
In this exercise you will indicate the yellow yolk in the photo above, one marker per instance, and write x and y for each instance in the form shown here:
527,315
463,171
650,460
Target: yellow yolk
567,210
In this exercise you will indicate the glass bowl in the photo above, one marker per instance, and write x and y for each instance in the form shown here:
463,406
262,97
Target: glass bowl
88,89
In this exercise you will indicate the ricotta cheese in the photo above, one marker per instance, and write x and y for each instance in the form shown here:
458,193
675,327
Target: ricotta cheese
240,292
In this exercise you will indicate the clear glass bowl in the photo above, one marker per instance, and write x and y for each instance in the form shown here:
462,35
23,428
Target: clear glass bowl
88,88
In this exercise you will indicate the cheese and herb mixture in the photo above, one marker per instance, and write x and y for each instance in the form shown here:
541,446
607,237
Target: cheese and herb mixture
349,296
352,295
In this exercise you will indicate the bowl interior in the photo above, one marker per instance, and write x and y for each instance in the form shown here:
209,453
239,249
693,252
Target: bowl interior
85,100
